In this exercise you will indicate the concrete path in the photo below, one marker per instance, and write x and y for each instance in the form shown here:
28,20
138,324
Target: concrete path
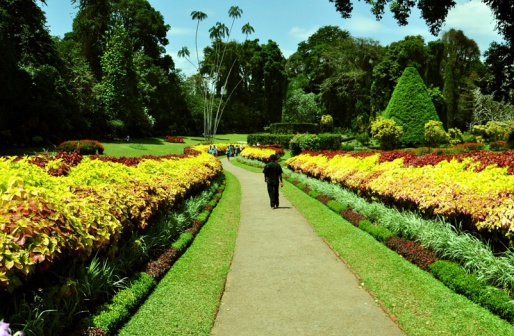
284,280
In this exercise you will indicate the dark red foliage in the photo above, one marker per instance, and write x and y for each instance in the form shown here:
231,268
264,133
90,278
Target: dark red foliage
324,199
306,190
352,216
162,264
174,139
412,252
134,161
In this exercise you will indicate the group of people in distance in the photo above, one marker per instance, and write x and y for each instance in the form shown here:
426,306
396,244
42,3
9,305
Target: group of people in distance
231,150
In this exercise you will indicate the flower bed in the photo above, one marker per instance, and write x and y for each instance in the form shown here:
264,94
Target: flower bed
174,139
88,207
262,152
476,187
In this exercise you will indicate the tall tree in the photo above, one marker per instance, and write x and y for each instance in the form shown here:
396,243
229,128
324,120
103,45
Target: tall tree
89,26
215,87
409,52
462,57
118,91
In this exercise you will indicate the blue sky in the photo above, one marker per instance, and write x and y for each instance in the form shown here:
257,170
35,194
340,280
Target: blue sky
289,22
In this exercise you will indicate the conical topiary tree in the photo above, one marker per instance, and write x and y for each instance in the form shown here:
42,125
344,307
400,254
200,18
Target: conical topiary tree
411,107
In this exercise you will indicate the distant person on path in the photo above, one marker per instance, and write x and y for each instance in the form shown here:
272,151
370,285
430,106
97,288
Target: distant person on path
230,151
272,175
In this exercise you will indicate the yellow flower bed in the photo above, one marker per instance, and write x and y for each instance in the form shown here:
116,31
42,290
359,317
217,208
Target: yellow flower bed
448,188
43,216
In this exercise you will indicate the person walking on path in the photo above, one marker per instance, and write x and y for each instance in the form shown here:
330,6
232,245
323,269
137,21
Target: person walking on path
272,176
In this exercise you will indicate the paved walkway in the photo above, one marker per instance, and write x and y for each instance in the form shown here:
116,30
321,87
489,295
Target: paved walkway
284,280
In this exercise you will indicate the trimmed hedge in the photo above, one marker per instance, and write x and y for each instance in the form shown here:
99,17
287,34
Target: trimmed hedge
380,233
293,128
411,107
456,278
112,315
270,139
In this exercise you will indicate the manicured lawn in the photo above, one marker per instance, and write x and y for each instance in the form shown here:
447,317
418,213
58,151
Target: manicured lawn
137,146
422,304
191,290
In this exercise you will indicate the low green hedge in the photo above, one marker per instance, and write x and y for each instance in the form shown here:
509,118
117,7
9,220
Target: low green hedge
456,278
380,233
112,315
336,206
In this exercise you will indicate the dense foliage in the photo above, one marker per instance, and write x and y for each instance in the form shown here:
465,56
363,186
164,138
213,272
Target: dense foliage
411,107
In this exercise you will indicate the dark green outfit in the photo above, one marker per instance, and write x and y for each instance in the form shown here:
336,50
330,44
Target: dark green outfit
272,172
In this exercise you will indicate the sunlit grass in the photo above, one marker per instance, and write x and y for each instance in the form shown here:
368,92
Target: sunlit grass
186,300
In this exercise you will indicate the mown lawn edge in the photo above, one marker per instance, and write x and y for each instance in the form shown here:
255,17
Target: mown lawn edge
186,300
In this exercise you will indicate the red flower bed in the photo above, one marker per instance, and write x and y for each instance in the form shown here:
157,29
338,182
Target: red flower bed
174,139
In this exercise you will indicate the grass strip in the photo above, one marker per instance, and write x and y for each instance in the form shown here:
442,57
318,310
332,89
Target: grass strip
422,305
187,298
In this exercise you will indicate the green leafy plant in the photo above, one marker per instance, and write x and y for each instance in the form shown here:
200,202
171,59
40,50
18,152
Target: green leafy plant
411,107
387,133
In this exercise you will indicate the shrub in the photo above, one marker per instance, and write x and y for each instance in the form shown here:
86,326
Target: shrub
387,133
435,134
468,137
456,136
493,130
456,278
314,194
411,107
326,123
336,206
380,233
363,138
84,147
498,145
301,142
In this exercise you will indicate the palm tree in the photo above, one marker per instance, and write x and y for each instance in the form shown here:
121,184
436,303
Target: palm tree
217,34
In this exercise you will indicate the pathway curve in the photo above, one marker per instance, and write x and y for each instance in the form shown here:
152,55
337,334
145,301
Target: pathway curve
284,280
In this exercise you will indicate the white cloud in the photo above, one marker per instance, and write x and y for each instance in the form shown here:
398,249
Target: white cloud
360,24
302,33
472,17
180,31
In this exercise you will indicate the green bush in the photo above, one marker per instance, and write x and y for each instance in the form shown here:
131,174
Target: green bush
456,278
327,123
380,233
387,133
314,194
112,315
84,147
301,142
435,134
411,107
183,241
336,206
293,128
363,138
493,130
468,137
325,141
456,136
